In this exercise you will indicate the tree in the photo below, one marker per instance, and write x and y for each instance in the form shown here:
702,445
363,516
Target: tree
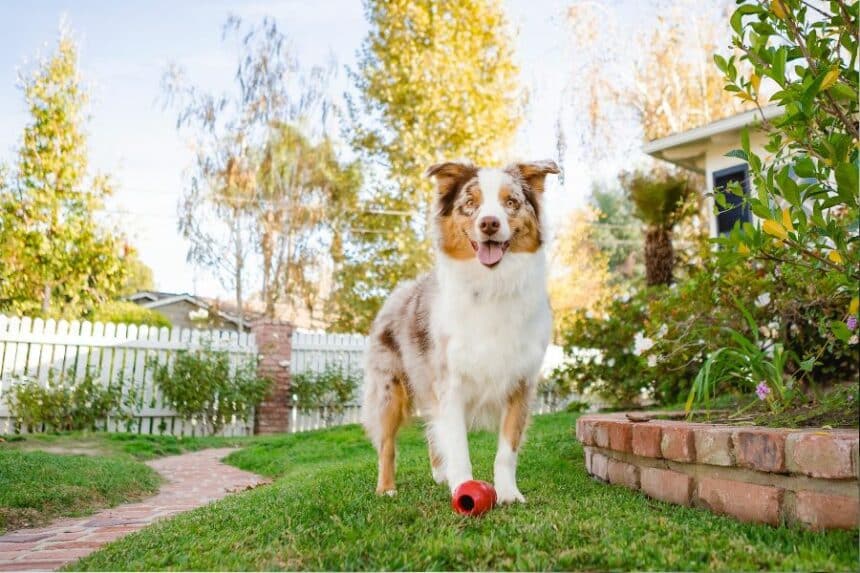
138,275
55,259
301,195
667,87
437,80
595,253
580,277
264,169
661,200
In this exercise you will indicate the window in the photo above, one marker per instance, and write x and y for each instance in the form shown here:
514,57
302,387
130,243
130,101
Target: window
735,210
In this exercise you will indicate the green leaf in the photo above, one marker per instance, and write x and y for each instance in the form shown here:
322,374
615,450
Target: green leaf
738,154
840,330
804,167
847,182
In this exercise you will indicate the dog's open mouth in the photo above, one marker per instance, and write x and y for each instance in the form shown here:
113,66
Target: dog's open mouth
490,252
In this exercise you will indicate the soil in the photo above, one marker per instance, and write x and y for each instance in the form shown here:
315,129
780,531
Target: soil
837,407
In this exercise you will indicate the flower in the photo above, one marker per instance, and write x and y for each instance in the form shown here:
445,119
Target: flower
641,343
851,323
662,331
762,391
763,300
652,361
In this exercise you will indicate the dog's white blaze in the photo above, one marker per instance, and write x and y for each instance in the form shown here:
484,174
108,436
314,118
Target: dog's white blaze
491,181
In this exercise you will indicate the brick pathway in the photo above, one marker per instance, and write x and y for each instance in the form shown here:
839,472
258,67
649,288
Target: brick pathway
193,480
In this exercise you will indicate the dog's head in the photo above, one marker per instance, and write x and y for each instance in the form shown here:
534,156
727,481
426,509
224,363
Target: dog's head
484,213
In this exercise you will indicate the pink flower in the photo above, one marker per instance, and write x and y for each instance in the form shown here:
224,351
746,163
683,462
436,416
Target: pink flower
762,391
851,323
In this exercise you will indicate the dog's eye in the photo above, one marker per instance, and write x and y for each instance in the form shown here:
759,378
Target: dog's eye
512,204
470,203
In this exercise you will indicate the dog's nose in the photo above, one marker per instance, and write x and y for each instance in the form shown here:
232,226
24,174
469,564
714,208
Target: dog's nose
489,225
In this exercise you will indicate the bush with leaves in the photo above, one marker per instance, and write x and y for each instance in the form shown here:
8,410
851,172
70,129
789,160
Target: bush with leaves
61,404
125,312
602,356
806,195
203,389
806,191
331,390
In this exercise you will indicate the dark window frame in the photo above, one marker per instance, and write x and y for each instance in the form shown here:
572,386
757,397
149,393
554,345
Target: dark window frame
744,214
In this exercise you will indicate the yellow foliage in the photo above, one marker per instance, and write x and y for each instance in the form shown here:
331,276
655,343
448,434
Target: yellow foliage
579,276
854,306
830,79
775,229
835,257
786,220
778,8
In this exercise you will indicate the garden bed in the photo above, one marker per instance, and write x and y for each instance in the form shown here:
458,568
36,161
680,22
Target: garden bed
762,475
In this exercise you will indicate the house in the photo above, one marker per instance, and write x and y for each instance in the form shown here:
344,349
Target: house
703,150
188,311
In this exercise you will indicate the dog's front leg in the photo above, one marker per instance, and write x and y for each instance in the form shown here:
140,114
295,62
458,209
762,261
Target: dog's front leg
449,431
513,425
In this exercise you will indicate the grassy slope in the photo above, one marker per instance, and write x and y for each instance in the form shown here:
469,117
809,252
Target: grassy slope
322,515
37,486
130,446
43,476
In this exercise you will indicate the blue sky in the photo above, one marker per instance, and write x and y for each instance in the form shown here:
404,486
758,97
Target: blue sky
126,46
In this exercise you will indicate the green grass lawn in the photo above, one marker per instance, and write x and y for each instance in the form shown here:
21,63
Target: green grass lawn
43,476
38,486
130,446
321,514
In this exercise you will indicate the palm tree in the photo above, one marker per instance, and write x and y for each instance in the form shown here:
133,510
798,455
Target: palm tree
660,199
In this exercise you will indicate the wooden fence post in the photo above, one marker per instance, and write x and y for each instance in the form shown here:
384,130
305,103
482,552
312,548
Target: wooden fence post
274,344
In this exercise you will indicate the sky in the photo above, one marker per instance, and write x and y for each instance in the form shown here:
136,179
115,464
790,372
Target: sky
125,48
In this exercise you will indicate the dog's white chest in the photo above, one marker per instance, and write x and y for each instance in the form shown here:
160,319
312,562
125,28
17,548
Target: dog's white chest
494,339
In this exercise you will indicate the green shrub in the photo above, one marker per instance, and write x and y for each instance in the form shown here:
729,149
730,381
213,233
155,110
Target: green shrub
331,390
61,405
601,352
125,312
806,193
203,389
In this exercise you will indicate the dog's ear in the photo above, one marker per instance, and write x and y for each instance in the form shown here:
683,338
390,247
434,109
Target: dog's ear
450,174
533,173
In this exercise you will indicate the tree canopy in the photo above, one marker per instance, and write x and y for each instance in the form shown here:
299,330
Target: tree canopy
55,258
437,80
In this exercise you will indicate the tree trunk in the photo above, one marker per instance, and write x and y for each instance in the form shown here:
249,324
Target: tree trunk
659,256
46,299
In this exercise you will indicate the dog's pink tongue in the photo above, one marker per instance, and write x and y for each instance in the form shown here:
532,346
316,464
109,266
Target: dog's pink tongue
489,253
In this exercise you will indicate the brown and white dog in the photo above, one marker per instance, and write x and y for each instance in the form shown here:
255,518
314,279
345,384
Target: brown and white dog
464,343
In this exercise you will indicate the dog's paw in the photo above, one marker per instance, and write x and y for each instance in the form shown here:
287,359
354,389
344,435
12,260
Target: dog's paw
505,495
438,474
388,492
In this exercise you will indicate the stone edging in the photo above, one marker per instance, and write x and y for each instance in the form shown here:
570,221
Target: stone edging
762,475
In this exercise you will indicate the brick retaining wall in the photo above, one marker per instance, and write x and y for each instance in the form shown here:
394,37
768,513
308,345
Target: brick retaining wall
762,475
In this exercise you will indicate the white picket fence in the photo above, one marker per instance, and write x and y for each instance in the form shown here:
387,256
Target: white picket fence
36,349
314,351
44,350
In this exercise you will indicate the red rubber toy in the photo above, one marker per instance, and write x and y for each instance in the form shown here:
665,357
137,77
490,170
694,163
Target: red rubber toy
473,498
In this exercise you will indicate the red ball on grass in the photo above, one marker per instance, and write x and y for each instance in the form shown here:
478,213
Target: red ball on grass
473,498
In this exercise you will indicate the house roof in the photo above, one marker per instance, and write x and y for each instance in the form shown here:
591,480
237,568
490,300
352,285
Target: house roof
687,147
156,299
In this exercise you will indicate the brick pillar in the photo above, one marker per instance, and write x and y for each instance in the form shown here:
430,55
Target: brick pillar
274,344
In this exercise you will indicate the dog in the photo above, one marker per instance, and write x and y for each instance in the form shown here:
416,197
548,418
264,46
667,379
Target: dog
464,343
